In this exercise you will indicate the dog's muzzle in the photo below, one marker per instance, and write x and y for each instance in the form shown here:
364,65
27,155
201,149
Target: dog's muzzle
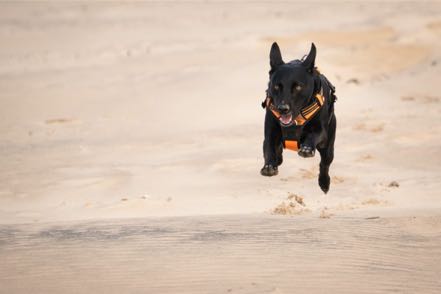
285,118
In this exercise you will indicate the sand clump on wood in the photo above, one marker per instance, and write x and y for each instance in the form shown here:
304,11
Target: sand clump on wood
289,208
294,205
374,201
324,213
394,184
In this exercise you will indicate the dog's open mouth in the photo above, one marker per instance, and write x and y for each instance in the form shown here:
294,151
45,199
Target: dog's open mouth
286,119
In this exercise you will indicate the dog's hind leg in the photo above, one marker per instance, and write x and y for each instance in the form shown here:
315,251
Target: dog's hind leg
272,146
327,155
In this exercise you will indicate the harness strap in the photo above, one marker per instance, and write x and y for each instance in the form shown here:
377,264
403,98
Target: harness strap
306,114
291,145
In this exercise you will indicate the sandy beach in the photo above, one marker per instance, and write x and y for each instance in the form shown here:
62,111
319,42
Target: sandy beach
131,143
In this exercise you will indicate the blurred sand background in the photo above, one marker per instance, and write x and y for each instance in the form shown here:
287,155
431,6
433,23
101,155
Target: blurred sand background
144,119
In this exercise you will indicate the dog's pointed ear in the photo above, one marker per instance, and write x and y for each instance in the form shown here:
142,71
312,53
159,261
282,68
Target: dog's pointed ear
275,57
309,61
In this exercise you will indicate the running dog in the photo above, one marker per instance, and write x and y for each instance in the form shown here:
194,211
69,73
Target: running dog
299,113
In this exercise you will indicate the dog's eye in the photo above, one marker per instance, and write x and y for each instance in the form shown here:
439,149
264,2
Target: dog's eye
276,87
297,87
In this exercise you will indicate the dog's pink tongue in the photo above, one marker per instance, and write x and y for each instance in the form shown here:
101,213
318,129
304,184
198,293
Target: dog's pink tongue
286,119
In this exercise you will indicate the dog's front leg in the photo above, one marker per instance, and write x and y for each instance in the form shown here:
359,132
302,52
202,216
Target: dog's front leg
272,146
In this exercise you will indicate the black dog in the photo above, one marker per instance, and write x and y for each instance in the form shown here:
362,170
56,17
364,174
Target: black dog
299,114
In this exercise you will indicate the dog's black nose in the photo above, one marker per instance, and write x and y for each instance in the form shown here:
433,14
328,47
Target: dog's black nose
283,108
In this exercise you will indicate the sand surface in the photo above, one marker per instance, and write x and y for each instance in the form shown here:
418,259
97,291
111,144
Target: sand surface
235,254
111,112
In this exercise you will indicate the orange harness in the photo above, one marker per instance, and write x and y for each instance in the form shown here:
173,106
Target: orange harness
306,114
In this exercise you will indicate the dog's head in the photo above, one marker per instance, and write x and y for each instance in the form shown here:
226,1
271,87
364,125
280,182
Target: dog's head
291,84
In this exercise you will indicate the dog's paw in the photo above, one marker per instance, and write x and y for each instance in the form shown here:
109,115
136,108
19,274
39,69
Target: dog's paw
324,182
268,170
306,151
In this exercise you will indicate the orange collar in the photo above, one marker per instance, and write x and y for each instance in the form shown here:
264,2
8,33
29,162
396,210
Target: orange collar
306,114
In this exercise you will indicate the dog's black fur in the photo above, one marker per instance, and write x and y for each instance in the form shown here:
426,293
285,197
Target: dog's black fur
292,86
